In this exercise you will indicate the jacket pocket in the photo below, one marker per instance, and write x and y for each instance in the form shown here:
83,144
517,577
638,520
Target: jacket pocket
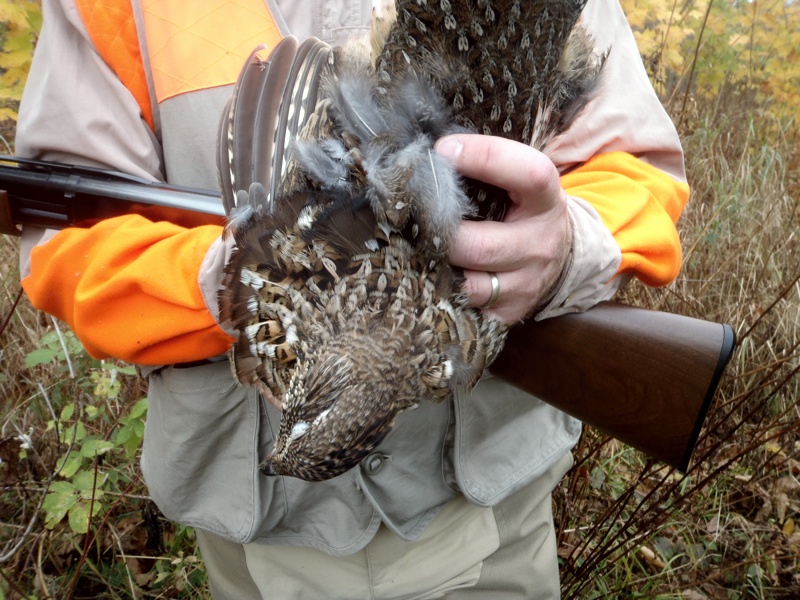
200,452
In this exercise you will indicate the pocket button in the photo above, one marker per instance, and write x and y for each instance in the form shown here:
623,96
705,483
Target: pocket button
374,463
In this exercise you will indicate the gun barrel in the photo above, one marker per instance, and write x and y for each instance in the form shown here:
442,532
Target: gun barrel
57,196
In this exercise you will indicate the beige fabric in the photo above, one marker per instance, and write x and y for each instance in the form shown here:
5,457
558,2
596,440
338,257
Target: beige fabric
590,277
526,564
467,552
625,114
333,21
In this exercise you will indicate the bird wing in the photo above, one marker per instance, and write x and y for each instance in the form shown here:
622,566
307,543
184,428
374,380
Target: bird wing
273,100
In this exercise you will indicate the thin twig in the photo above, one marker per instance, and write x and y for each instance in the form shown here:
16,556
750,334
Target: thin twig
682,114
11,311
117,539
64,346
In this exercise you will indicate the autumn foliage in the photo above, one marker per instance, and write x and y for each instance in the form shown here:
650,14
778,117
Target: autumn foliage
20,20
713,46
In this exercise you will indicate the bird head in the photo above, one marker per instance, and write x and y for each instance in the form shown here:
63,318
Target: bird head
340,404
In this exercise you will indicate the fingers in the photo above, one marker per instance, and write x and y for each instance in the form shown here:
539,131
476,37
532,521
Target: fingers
525,279
527,250
523,172
483,246
514,296
501,246
479,288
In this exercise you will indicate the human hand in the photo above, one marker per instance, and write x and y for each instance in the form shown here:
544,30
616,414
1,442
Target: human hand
528,250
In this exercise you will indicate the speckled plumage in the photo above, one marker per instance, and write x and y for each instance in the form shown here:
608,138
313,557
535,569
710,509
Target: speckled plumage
346,307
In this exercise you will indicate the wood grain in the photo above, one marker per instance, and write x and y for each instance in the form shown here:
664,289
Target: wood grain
642,376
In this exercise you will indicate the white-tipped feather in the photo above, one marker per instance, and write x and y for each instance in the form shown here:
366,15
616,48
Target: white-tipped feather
299,429
252,279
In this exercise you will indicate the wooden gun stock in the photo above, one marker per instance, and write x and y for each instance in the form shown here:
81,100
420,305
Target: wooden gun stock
645,377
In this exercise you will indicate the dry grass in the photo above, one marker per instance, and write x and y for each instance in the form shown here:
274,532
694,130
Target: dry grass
728,528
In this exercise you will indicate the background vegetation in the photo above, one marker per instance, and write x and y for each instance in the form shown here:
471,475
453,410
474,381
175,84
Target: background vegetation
75,518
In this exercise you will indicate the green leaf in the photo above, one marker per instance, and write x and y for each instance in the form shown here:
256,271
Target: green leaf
67,412
597,478
39,357
72,465
94,446
78,430
120,369
123,434
106,385
113,478
79,517
130,436
138,410
50,339
61,487
84,482
59,500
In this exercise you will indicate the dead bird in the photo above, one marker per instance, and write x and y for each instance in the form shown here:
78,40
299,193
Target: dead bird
342,215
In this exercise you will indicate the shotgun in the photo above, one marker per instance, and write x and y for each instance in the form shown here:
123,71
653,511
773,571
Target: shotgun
645,377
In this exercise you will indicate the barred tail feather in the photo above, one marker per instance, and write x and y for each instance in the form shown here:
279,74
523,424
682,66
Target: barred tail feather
246,152
298,107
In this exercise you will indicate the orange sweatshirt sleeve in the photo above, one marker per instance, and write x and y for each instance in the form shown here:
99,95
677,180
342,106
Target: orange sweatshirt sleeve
640,205
129,288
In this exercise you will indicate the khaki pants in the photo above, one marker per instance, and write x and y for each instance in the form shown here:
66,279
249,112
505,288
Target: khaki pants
505,552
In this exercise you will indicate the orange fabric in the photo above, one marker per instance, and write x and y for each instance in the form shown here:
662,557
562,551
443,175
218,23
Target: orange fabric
191,45
198,45
640,205
112,29
128,288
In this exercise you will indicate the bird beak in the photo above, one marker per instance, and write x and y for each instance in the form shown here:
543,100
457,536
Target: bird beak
267,469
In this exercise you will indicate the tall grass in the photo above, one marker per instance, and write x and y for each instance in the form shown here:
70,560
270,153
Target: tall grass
727,529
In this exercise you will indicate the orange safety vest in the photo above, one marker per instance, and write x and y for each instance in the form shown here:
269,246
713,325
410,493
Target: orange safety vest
129,287
190,45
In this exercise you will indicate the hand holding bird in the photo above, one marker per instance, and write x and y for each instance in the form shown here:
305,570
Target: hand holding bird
527,271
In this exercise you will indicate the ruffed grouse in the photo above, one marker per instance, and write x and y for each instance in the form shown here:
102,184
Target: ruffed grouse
341,214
